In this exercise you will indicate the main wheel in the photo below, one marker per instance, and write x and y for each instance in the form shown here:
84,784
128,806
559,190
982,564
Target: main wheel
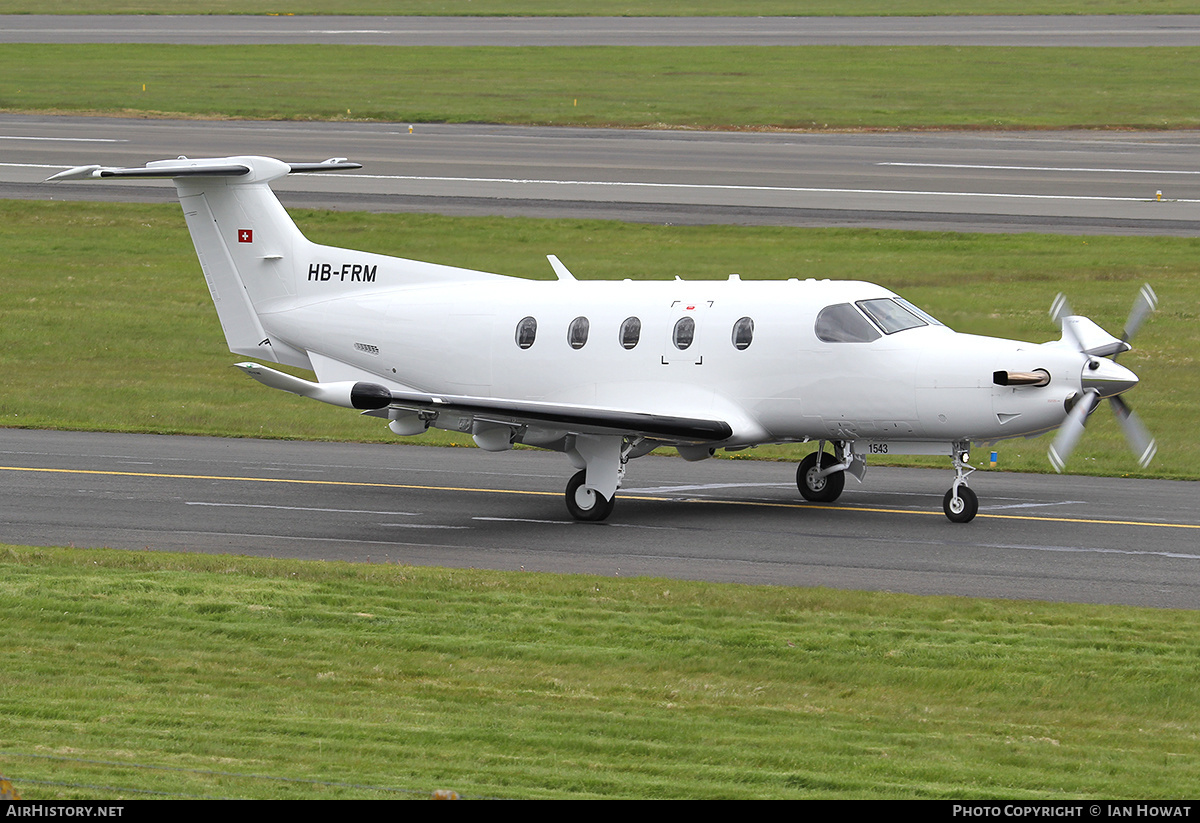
585,503
961,509
819,489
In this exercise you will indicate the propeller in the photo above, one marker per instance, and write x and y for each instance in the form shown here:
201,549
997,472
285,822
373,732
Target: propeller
1103,378
1143,306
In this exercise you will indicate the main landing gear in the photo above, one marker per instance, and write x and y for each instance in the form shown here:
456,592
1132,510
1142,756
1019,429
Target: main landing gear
820,483
592,491
584,502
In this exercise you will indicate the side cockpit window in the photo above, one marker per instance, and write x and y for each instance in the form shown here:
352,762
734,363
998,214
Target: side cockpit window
526,332
842,323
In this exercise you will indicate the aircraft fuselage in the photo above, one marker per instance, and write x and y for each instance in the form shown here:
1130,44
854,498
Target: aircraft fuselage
771,374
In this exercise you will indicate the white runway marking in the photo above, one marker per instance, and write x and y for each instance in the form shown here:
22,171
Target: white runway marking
300,508
62,139
1031,505
1036,168
525,520
519,181
1094,550
421,526
573,522
723,187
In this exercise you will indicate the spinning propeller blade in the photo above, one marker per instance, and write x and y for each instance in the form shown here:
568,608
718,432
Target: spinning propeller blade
1071,430
1136,433
1103,378
1143,305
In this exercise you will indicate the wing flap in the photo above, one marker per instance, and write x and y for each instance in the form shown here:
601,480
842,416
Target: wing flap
571,418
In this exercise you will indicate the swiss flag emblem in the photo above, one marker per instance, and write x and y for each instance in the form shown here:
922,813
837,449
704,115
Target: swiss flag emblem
245,235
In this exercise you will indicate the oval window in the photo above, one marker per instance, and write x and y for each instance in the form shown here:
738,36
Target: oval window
526,332
743,333
684,333
631,332
577,332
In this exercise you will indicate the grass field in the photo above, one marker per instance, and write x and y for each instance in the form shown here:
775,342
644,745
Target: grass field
237,677
109,326
833,87
616,8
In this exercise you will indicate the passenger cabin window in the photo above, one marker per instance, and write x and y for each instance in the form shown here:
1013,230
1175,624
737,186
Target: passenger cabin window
631,332
526,332
842,323
890,315
743,333
684,333
577,332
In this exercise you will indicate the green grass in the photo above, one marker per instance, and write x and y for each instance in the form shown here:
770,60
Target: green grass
231,675
617,8
834,87
108,324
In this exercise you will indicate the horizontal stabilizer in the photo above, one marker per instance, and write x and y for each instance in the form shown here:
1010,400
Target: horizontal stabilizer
255,167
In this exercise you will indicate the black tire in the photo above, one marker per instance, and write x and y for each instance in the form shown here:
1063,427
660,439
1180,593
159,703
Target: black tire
595,507
819,489
964,509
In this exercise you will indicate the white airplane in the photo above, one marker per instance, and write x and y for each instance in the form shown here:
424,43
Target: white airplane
607,371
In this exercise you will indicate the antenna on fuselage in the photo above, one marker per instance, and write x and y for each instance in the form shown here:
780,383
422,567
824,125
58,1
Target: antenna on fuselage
560,270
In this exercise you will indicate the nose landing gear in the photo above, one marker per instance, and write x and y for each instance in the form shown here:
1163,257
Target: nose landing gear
960,503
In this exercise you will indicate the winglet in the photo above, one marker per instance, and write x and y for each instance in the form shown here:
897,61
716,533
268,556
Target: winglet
77,173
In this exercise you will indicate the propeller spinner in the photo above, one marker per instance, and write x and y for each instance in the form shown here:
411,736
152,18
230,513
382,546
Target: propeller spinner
1103,378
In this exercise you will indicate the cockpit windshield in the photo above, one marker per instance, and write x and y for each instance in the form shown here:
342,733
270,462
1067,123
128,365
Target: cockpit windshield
846,323
924,315
895,314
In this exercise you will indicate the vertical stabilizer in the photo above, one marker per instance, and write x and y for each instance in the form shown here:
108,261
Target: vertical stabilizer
249,248
256,262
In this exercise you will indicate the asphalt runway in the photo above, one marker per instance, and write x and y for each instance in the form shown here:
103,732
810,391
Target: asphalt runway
1063,182
1131,31
1040,537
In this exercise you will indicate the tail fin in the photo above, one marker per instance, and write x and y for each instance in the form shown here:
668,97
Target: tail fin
248,246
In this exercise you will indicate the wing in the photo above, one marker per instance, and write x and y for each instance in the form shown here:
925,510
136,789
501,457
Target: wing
570,418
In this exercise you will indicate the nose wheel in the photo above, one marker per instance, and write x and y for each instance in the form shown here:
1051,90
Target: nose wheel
961,507
960,503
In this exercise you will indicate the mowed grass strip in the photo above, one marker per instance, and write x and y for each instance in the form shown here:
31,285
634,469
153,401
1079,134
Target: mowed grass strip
617,8
108,324
834,87
225,672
